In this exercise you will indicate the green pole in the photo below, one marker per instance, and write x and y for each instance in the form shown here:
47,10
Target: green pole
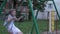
33,24
3,4
35,17
36,14
32,29
34,20
56,9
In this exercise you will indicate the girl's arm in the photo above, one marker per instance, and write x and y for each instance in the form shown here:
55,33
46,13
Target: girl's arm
17,19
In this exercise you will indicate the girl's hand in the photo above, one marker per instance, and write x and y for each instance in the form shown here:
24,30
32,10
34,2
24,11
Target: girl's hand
17,19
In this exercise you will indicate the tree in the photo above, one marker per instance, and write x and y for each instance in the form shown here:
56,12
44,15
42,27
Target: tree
40,5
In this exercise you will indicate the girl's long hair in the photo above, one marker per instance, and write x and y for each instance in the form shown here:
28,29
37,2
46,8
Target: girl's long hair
9,13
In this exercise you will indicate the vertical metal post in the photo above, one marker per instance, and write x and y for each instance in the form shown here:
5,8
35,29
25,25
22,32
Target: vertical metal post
56,24
50,22
34,20
47,24
52,17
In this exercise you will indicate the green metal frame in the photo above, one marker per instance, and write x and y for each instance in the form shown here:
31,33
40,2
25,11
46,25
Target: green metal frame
34,20
33,24
3,4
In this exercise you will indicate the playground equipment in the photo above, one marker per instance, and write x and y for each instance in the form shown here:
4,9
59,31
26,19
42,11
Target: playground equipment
34,20
51,21
31,8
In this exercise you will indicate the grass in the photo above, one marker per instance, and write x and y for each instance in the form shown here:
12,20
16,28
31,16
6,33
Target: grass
26,26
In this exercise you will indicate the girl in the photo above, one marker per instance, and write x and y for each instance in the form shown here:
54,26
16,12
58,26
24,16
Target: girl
9,23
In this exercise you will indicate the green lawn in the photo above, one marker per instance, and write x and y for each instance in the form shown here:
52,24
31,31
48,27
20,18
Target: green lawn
26,26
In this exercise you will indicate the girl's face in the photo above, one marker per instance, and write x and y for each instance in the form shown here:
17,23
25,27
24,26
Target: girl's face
14,13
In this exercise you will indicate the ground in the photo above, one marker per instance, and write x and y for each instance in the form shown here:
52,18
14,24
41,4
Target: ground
55,32
26,26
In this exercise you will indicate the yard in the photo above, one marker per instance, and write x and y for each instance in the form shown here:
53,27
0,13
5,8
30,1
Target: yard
26,26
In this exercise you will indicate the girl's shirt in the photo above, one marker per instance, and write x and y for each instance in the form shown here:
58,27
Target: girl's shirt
6,24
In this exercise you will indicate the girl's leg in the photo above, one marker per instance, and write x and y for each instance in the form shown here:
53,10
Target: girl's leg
19,33
16,30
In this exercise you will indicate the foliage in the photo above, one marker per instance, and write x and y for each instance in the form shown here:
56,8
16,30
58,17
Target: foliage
40,5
